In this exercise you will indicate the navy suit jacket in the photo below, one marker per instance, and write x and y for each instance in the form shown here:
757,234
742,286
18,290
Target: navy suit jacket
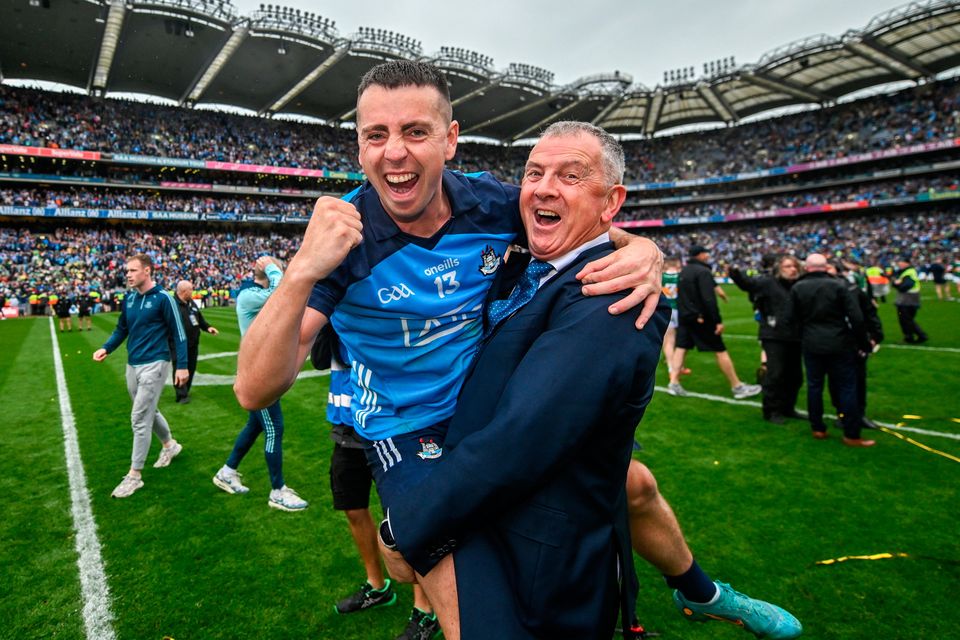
529,494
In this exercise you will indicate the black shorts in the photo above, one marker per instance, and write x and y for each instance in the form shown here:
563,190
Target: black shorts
83,313
350,479
699,335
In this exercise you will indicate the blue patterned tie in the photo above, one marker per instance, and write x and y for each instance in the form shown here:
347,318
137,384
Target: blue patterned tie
500,310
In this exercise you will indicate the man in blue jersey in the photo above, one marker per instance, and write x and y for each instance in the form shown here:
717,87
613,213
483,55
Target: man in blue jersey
408,303
350,483
269,420
148,318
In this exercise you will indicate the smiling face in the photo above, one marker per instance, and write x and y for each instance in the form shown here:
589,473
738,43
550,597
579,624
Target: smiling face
565,198
406,136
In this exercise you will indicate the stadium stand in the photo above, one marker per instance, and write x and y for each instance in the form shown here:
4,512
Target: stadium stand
85,179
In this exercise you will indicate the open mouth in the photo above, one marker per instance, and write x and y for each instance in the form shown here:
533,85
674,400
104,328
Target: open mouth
547,218
402,183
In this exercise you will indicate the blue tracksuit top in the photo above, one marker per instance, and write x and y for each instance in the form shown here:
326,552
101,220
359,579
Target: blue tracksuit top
252,299
409,310
145,321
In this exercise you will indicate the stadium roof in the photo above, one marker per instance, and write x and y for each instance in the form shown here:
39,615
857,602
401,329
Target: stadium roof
282,60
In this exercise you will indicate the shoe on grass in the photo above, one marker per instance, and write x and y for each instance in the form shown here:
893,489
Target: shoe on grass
286,499
366,597
742,390
762,619
127,486
421,626
229,480
167,454
676,389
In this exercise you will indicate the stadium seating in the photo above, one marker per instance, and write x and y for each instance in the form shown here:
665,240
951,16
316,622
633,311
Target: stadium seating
902,196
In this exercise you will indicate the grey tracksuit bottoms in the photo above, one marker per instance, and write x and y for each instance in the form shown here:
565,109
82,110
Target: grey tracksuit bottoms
145,384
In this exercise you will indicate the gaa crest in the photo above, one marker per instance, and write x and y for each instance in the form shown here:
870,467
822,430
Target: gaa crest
490,261
429,450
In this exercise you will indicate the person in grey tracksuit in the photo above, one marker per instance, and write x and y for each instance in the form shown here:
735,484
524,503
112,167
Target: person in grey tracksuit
148,319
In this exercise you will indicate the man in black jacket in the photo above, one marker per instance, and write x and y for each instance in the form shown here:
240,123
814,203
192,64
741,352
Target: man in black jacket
701,325
193,324
863,294
831,335
781,341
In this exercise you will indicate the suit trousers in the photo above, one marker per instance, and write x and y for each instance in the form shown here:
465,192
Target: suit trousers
784,377
841,369
193,350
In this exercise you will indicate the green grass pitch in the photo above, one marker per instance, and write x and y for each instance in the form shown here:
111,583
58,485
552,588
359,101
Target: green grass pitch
759,503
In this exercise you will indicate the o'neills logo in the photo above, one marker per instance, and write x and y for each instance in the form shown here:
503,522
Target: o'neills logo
449,263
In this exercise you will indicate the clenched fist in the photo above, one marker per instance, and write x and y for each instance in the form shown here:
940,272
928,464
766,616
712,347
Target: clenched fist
334,230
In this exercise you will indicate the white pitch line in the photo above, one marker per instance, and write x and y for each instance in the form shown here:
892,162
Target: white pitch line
97,616
214,356
907,347
754,403
912,347
222,379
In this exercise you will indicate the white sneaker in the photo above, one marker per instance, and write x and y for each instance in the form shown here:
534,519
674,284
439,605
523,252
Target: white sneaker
742,390
675,389
286,499
229,480
167,454
127,486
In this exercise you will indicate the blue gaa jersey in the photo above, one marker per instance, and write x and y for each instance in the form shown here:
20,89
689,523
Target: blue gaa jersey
409,311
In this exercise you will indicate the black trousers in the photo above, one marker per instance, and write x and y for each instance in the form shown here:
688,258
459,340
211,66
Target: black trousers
861,373
193,349
840,368
784,377
908,324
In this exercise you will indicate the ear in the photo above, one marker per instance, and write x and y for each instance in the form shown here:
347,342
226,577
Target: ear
453,132
615,198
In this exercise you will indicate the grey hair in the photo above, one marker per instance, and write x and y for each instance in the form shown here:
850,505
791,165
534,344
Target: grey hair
610,150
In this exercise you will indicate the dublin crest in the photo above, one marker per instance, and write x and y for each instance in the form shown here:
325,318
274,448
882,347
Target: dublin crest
490,261
429,450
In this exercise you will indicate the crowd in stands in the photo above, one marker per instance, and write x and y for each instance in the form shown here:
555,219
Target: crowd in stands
72,121
848,193
869,239
92,257
207,203
922,114
79,260
80,197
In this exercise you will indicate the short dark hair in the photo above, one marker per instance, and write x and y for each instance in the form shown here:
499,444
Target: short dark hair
406,73
145,261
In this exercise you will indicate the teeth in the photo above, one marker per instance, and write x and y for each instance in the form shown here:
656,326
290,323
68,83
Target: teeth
403,177
548,214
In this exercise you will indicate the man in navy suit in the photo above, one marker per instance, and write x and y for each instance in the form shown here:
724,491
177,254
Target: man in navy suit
529,494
